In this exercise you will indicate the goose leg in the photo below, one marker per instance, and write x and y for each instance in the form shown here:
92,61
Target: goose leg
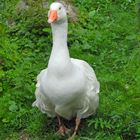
62,129
77,121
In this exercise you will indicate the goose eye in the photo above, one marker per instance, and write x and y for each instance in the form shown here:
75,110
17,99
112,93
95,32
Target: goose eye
59,8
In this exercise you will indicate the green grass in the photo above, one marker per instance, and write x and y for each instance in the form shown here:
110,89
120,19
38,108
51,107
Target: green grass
105,35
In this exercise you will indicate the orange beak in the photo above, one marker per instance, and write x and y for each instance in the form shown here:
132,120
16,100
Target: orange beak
52,16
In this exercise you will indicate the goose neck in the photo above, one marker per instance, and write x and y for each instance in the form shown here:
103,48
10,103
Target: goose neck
59,32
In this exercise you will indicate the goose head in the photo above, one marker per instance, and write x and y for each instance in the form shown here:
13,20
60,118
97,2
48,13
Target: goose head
57,13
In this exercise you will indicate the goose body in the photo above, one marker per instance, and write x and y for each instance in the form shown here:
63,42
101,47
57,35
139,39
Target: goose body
68,87
73,95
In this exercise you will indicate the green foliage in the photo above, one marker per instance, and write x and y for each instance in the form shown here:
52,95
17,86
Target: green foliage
105,35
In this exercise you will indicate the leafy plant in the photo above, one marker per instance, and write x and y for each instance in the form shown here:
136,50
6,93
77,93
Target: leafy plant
105,35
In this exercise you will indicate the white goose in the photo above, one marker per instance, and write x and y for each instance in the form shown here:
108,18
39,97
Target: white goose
68,87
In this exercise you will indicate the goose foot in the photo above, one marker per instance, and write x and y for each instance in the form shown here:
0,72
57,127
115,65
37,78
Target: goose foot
62,129
71,138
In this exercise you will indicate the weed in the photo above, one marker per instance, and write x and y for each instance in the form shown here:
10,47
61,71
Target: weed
105,35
